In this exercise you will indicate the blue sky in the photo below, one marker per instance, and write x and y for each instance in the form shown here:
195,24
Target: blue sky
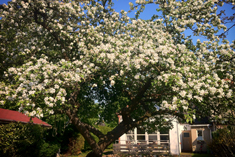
150,9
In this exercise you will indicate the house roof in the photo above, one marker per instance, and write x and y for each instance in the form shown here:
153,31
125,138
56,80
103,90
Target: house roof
8,116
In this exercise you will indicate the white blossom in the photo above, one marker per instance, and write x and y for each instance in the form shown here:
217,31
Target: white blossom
112,82
183,93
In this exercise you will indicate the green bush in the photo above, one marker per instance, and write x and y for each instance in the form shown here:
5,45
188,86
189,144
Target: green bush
49,149
72,142
76,144
223,143
17,139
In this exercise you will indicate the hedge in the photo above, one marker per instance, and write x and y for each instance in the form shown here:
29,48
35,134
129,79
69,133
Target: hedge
223,143
19,139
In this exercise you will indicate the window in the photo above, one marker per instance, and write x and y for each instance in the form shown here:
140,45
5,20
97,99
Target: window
140,135
130,132
186,134
200,135
130,135
164,135
152,138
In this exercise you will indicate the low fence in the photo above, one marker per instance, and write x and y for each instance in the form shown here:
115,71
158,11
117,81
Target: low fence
143,148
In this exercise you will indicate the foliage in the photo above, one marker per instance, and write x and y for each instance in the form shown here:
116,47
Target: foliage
223,143
19,139
72,142
49,149
88,62
60,122
76,144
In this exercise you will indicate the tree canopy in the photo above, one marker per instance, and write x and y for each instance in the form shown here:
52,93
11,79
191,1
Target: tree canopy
86,61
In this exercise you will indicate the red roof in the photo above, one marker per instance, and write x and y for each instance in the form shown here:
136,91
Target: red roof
14,116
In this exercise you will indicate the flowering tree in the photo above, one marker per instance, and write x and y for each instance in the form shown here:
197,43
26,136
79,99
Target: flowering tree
85,60
225,19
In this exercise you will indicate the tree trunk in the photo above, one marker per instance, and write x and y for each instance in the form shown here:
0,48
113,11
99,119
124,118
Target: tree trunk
92,154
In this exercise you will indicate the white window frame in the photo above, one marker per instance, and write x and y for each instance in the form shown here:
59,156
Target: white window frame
157,134
130,134
202,139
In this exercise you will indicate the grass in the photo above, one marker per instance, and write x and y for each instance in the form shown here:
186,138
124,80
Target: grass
201,155
83,154
196,154
108,151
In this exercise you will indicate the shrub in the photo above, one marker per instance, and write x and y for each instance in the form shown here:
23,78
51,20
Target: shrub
72,142
49,149
76,144
17,139
223,143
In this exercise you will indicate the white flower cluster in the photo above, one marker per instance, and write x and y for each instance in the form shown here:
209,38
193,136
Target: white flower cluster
79,54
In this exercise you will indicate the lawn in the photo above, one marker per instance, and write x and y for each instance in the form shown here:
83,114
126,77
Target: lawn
83,154
196,155
201,155
108,151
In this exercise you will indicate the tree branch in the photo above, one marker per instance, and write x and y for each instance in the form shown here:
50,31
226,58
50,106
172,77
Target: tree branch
94,130
138,97
223,34
82,128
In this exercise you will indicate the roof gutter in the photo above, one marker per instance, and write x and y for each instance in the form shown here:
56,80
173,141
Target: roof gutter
8,121
195,125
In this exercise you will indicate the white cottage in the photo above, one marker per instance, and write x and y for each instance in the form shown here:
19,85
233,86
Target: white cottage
181,138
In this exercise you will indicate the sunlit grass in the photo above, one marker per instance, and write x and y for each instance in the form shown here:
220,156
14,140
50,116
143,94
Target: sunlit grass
84,154
197,154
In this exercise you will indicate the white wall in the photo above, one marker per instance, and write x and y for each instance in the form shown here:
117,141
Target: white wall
174,139
122,139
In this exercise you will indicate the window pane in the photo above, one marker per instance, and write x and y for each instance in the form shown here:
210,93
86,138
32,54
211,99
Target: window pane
186,134
141,137
130,132
199,138
199,135
164,137
199,132
152,138
130,137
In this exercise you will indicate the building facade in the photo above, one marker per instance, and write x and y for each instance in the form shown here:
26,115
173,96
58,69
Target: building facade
181,138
